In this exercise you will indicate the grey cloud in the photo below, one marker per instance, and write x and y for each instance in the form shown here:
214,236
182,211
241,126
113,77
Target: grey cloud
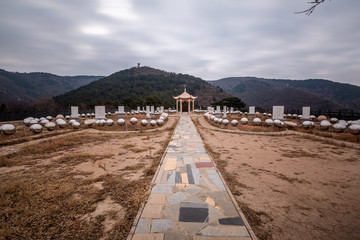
206,39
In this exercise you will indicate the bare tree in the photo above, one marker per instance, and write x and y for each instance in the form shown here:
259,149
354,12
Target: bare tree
310,10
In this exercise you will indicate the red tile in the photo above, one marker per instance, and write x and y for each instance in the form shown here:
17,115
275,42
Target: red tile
204,164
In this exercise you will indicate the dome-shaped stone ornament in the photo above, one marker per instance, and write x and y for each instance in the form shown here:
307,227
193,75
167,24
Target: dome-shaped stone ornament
212,118
89,122
88,115
109,122
34,121
67,117
60,116
49,118
206,115
333,120
244,121
289,115
76,125
144,122
72,121
321,118
44,121
27,121
83,115
354,129
219,121
36,128
234,122
294,116
308,124
278,123
61,123
133,120
8,129
225,122
92,114
102,122
215,120
50,126
343,122
153,123
269,122
325,124
121,122
160,122
290,124
338,127
257,121
312,117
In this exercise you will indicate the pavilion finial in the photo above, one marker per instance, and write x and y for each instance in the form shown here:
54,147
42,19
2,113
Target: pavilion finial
184,87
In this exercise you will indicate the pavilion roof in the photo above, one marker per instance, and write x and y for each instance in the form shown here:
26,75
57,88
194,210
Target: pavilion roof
185,95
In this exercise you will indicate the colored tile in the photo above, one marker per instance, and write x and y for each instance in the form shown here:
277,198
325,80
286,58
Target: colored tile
231,231
184,178
204,164
171,177
189,173
170,164
215,179
193,214
143,226
178,178
151,236
161,225
162,188
231,221
152,211
156,199
176,198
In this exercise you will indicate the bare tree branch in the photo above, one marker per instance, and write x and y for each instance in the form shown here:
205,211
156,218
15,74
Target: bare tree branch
310,10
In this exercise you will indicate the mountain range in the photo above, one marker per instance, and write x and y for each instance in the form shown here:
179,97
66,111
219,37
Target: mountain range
27,88
144,85
141,86
293,94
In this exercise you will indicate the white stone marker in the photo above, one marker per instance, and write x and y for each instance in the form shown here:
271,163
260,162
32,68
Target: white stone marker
74,112
224,108
138,109
161,108
218,109
100,112
121,111
148,116
278,112
306,113
251,110
231,109
152,111
209,109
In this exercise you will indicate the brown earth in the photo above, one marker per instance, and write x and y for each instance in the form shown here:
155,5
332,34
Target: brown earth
86,184
290,187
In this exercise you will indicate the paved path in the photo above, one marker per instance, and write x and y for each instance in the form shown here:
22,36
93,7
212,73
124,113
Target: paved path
189,199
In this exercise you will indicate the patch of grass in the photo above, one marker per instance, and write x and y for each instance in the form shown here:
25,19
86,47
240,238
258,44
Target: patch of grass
40,205
77,158
138,150
298,154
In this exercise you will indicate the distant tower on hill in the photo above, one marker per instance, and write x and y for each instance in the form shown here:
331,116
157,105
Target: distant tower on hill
138,65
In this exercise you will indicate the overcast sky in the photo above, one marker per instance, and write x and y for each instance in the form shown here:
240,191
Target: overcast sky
207,39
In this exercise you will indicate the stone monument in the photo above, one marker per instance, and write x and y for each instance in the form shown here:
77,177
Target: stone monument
99,112
278,112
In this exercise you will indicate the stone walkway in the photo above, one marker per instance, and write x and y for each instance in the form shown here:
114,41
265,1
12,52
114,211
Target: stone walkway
189,199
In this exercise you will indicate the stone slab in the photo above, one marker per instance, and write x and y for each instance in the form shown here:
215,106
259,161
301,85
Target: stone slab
151,236
161,225
204,165
193,214
225,231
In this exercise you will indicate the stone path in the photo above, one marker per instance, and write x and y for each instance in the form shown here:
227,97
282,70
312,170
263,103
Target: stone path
189,199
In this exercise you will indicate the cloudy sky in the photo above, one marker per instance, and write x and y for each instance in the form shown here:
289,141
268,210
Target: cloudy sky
207,39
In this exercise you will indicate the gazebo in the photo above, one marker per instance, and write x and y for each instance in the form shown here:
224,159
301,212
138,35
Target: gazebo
185,97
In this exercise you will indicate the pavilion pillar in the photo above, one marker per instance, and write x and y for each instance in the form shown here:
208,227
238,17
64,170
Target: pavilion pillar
180,106
188,106
193,106
177,103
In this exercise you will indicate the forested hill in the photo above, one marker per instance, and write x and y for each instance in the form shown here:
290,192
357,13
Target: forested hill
27,88
316,93
141,86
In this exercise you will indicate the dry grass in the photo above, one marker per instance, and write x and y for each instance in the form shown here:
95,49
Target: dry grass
50,201
40,205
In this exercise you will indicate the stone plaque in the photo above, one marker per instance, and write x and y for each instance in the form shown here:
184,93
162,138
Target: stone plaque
278,112
251,110
218,109
306,113
74,112
100,112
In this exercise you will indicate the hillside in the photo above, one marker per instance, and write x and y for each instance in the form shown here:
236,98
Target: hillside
293,94
141,86
27,88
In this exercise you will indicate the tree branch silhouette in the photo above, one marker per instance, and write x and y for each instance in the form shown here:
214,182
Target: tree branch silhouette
310,10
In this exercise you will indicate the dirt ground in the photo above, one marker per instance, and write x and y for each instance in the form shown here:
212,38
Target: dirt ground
290,187
85,184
